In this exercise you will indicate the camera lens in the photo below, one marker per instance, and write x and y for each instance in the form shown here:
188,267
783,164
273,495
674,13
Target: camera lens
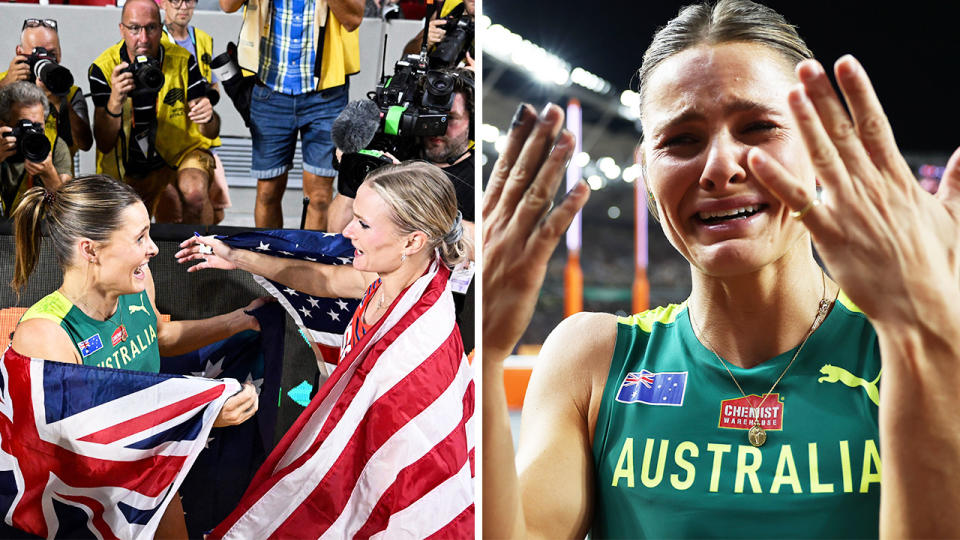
32,142
56,78
151,78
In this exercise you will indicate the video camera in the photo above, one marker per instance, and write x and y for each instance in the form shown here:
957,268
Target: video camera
44,67
32,142
407,106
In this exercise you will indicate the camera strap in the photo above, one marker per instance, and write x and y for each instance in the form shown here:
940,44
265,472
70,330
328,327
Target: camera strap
64,129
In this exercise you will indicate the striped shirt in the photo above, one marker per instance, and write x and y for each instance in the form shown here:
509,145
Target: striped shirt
288,51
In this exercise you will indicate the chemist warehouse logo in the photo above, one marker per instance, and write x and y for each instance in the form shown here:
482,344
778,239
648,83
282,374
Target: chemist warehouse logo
742,412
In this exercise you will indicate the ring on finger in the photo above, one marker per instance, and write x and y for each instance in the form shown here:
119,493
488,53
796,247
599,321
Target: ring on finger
798,214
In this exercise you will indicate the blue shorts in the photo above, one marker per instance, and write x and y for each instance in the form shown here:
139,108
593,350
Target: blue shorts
276,119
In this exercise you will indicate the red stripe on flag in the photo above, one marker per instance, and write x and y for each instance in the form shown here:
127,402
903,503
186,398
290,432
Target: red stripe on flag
266,479
422,476
459,527
153,418
392,411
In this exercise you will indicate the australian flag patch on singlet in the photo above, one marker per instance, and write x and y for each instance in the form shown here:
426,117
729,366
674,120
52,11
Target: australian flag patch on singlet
651,388
90,345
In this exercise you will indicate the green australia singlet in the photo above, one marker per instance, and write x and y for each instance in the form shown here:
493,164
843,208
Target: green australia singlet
103,343
671,451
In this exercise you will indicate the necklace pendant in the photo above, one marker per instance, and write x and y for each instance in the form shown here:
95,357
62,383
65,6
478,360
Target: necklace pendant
119,335
757,435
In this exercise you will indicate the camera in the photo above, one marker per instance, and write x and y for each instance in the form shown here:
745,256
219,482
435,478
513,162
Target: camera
459,28
32,142
147,74
44,67
237,86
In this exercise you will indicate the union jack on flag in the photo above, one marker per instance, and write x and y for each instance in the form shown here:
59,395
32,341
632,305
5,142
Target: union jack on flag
665,388
92,450
321,320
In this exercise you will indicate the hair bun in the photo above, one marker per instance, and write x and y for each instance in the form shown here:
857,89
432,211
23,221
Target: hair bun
456,232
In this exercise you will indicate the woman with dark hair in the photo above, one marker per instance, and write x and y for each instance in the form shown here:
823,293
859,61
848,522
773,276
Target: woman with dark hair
397,410
104,312
753,408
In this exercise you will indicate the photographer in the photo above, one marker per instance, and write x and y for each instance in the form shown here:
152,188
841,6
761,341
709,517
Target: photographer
68,117
437,29
26,159
152,120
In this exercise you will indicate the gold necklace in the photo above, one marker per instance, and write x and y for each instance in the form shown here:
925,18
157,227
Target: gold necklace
120,334
757,435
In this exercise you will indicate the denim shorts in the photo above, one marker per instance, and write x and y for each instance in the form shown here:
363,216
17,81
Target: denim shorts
276,119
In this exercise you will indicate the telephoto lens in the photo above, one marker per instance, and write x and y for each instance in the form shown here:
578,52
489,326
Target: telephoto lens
44,67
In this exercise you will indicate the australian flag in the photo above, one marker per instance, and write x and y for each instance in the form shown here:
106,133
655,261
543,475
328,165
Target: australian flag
651,388
95,452
321,320
232,454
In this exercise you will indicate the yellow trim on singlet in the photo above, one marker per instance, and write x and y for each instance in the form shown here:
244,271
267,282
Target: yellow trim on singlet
845,301
646,319
53,307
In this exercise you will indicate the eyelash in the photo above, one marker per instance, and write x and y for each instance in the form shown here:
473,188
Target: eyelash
687,139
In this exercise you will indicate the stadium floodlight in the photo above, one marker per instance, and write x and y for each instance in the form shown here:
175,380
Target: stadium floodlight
581,159
500,144
611,171
595,182
489,133
631,173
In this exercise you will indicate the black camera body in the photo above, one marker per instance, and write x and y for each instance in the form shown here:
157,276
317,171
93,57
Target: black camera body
459,28
44,67
147,74
32,142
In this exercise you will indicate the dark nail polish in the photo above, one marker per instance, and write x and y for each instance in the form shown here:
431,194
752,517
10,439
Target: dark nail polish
518,116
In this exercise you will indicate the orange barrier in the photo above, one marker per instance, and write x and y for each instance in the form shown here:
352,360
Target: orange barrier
516,376
9,317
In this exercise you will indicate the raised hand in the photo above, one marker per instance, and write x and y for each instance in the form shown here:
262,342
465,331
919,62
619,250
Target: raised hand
891,245
519,229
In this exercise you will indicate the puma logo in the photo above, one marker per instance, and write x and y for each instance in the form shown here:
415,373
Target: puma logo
134,309
838,374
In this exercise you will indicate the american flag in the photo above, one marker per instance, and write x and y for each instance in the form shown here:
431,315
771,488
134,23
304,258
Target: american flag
385,449
322,320
92,450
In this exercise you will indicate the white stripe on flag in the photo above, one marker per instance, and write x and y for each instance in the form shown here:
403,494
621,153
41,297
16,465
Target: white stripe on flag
430,330
434,510
408,444
312,428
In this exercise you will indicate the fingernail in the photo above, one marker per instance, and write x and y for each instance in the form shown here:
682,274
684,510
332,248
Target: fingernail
518,116
547,109
564,140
